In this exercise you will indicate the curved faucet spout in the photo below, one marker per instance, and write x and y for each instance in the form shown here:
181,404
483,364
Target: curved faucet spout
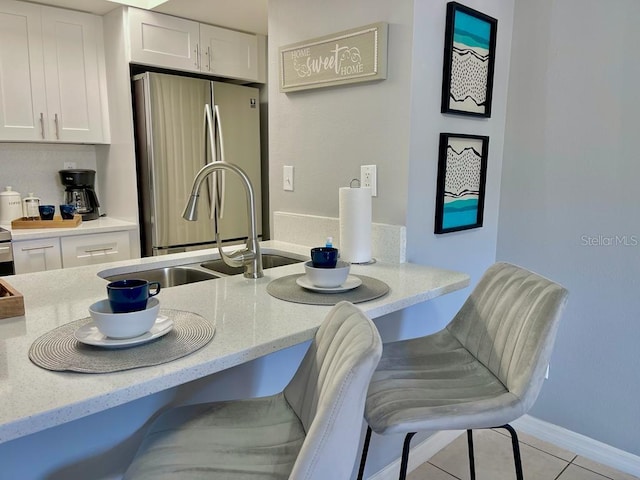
250,256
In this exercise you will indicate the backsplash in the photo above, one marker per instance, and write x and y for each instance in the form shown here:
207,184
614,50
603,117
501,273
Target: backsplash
33,167
388,242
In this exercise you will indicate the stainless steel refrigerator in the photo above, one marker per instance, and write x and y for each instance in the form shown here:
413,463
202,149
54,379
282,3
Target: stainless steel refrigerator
171,146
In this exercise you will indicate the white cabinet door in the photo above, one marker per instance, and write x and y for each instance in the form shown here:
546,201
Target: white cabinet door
22,89
36,255
227,53
95,248
163,40
72,44
52,84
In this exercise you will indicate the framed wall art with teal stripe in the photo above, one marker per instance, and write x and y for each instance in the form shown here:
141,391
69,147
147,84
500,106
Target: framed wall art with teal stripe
469,59
462,174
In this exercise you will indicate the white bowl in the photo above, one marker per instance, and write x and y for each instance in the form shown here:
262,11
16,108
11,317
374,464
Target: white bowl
124,325
328,277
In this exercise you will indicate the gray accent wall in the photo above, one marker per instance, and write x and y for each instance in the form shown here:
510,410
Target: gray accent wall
326,134
568,206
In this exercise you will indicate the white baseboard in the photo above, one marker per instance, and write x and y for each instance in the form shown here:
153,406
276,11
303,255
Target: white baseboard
574,442
579,444
420,453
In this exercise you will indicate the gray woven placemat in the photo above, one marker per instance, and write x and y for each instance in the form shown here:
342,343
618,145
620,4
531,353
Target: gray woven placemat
286,288
59,350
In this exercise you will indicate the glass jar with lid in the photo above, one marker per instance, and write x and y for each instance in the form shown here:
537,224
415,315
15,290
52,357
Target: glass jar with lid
30,207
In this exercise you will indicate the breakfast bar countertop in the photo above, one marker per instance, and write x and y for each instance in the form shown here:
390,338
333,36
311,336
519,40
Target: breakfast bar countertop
249,323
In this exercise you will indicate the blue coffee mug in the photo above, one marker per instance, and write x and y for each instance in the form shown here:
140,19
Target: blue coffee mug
324,257
67,211
130,295
46,212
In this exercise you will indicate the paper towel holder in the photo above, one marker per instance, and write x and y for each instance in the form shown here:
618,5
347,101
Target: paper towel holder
373,260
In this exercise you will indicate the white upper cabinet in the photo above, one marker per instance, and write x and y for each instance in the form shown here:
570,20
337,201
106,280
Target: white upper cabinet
52,86
228,53
171,42
163,40
22,90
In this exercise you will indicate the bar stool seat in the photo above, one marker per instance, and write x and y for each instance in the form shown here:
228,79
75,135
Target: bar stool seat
483,370
308,431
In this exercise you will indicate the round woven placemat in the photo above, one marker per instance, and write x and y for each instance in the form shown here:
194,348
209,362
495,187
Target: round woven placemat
286,288
59,350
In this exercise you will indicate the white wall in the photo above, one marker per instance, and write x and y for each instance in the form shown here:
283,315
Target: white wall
33,167
326,134
567,206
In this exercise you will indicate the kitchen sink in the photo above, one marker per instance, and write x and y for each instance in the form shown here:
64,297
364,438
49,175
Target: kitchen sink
269,260
168,276
198,272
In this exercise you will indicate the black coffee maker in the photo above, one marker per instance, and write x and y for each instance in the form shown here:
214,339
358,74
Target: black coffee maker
79,191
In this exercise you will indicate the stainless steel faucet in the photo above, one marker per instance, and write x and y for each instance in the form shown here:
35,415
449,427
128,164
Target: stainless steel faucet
250,256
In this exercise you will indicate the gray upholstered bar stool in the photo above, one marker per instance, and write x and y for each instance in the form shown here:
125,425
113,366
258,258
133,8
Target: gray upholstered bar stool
483,370
309,431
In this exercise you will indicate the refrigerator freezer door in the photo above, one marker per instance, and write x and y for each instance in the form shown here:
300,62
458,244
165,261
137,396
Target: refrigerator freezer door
175,152
239,109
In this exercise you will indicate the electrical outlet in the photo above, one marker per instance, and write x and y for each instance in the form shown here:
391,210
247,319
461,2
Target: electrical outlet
369,178
287,178
69,165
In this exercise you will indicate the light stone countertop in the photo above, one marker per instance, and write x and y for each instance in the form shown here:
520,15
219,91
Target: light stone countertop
249,324
99,225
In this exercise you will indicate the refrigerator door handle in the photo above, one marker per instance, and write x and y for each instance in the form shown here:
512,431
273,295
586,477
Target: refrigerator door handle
221,183
216,180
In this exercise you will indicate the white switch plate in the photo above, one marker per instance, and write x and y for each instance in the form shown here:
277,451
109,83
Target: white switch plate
69,165
369,178
287,178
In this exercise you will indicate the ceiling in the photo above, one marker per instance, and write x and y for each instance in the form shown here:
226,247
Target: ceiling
246,15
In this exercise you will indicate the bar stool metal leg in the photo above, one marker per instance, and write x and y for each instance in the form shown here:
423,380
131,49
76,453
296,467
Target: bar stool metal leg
365,450
517,459
405,456
472,463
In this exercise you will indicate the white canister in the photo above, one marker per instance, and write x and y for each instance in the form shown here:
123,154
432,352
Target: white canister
10,205
30,207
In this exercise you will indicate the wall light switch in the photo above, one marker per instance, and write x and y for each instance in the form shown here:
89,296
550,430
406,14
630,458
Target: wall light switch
287,178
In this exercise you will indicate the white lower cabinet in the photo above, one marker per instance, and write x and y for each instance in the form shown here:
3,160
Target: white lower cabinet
96,248
36,255
73,251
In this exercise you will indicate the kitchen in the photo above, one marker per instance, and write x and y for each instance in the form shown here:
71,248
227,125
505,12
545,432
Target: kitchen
405,159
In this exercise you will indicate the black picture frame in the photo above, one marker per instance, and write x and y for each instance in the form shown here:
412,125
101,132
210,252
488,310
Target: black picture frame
462,175
469,61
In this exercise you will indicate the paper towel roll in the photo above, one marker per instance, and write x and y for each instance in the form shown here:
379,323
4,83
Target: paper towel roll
355,224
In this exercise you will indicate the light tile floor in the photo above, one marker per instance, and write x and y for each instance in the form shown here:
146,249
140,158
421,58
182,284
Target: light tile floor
494,461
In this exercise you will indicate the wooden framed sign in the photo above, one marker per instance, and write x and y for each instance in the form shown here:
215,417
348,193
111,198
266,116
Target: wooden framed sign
356,55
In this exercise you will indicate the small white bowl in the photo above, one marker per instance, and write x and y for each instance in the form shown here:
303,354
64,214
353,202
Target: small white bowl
124,325
328,277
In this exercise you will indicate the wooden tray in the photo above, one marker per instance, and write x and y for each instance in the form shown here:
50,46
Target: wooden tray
11,301
57,222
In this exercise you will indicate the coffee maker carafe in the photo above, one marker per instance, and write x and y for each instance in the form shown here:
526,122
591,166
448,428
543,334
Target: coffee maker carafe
79,191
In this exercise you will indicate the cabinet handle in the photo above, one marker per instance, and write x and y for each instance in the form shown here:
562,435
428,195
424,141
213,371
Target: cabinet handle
5,248
36,248
42,124
106,249
209,58
196,53
55,118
